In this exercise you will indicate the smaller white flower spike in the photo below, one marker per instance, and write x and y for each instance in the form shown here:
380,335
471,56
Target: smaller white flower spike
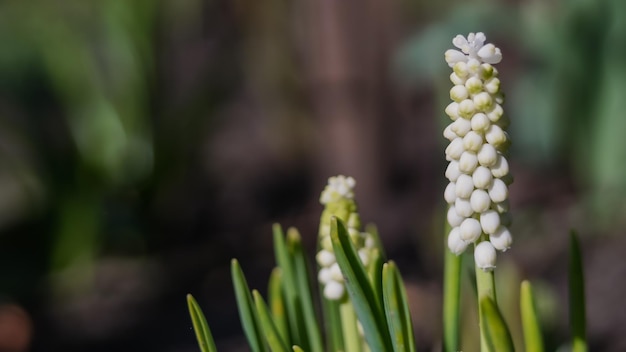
485,256
338,200
478,169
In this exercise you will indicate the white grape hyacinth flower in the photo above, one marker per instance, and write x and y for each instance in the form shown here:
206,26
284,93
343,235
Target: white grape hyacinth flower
338,199
478,168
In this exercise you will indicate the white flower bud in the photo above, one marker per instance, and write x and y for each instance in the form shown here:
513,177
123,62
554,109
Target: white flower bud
489,221
492,85
454,78
455,243
450,193
483,101
482,177
470,230
487,156
474,85
501,168
452,171
452,110
464,186
324,276
467,109
501,239
325,258
460,68
468,162
334,290
454,219
461,127
472,141
495,135
498,191
480,201
496,113
487,71
449,134
473,66
480,122
463,207
458,93
335,273
485,256
455,149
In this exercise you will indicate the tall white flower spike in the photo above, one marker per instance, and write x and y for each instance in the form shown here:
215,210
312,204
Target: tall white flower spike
478,171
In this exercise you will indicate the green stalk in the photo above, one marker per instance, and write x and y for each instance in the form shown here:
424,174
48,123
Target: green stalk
486,287
451,298
351,336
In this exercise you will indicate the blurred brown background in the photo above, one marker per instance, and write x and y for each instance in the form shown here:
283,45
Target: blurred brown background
145,143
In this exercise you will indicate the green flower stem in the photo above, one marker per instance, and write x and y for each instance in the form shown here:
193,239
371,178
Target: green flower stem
486,287
351,336
451,300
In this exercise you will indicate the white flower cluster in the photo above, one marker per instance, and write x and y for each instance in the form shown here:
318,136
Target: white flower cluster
338,197
478,170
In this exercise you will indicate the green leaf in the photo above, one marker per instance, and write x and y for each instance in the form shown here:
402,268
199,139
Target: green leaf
530,322
577,296
277,303
304,291
397,310
496,332
200,326
272,335
367,307
297,348
247,310
294,313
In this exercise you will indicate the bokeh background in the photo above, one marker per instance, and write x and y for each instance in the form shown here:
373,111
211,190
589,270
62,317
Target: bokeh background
145,143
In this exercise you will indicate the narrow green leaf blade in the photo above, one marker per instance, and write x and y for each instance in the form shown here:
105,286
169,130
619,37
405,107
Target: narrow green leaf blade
397,310
285,262
304,291
247,310
277,303
272,335
359,288
530,322
200,326
577,297
496,332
